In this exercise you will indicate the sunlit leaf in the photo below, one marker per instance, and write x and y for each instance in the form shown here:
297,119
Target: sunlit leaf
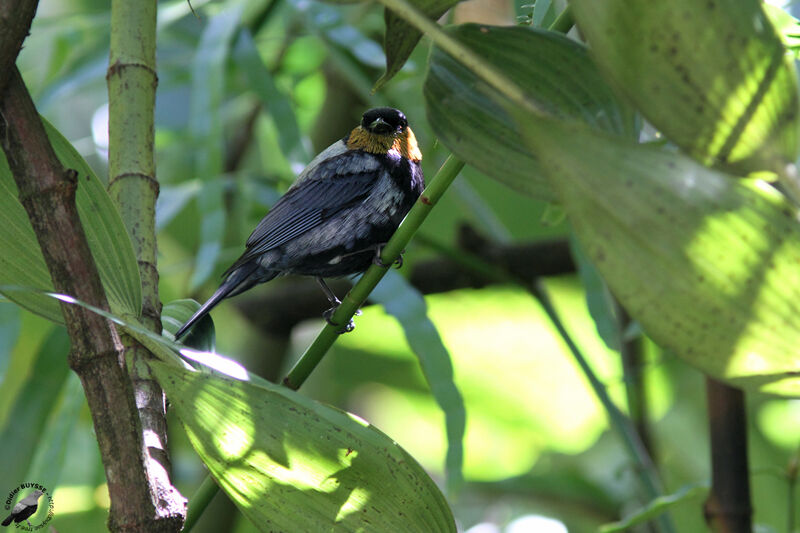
21,262
407,305
401,37
467,118
292,464
713,76
706,264
657,507
33,404
787,26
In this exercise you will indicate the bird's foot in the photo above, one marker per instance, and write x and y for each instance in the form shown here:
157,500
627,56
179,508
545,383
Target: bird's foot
377,259
350,326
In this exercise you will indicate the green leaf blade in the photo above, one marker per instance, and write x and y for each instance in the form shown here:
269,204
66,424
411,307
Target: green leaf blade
23,263
27,419
468,118
712,76
293,464
407,305
706,264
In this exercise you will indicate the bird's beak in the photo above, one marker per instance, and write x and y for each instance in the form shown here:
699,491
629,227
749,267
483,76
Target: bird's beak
380,126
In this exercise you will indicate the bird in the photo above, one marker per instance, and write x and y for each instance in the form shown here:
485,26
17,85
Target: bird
24,508
335,218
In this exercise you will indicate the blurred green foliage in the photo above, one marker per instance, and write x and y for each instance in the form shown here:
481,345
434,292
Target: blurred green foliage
537,440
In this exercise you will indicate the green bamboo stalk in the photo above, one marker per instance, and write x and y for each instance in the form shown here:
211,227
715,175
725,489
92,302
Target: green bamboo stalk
132,82
360,291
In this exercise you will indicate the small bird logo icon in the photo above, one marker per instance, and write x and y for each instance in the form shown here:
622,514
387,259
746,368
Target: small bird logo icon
333,221
24,509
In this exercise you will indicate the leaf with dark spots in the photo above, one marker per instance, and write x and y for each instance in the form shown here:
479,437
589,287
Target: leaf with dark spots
717,83
471,120
293,464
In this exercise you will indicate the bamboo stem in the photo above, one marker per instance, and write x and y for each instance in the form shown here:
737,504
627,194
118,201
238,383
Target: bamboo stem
727,509
133,187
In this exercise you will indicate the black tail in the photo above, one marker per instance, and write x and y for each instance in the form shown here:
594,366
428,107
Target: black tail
239,280
8,520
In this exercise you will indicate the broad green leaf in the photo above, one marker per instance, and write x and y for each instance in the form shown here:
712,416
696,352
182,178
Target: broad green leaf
706,264
208,91
28,417
467,118
713,76
401,37
407,305
22,262
292,464
656,507
108,239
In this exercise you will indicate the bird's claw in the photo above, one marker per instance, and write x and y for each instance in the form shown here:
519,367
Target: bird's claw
397,262
350,326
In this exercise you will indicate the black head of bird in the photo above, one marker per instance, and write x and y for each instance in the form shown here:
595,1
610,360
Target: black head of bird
340,211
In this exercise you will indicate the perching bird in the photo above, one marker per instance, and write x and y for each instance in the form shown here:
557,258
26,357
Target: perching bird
340,211
24,508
